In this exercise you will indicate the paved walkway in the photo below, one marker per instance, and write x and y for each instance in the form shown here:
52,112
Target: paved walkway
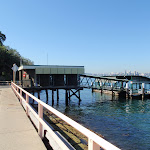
16,130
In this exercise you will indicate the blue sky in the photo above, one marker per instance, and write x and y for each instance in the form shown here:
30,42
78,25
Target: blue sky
102,35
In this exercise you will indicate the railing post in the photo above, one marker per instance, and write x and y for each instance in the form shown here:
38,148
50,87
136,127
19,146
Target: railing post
27,102
17,92
20,96
127,90
143,90
92,145
40,113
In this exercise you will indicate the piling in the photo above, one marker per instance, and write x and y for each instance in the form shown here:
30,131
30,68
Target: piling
127,90
79,95
69,95
66,97
46,96
143,89
57,96
52,97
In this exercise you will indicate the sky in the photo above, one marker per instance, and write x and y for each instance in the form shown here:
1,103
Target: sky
102,35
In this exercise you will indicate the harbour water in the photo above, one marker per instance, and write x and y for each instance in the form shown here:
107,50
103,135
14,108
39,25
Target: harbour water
124,123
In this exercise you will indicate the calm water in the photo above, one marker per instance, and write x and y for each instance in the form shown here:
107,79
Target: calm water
125,123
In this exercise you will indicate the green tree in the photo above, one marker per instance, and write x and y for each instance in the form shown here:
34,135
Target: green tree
9,56
2,38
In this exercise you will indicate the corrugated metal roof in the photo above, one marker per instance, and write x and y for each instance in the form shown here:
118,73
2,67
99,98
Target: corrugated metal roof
54,69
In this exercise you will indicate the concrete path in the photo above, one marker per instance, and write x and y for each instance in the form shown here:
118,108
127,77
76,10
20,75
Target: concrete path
16,130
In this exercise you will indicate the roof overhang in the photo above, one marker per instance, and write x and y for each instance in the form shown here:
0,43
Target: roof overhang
54,69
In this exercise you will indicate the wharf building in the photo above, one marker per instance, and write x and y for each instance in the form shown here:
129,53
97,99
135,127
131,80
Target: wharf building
50,75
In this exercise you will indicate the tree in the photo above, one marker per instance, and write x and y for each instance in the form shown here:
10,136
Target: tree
9,56
2,38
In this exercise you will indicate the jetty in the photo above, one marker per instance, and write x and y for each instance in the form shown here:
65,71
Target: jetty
122,86
17,131
73,79
35,78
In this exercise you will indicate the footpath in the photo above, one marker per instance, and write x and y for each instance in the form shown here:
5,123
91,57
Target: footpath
16,130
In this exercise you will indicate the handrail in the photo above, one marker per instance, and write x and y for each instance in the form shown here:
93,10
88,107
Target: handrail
95,142
5,82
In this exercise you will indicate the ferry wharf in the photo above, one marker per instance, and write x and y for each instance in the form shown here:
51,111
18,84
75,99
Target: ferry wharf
16,130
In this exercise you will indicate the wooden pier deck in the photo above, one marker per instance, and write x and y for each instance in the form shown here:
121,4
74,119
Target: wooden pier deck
16,130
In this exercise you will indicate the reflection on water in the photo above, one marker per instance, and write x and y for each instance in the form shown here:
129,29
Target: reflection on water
125,123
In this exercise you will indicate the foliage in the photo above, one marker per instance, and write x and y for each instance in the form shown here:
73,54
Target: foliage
8,57
2,38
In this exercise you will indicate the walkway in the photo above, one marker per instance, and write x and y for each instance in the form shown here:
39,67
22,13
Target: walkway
16,130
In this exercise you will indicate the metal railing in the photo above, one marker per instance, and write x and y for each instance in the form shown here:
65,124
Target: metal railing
5,82
95,142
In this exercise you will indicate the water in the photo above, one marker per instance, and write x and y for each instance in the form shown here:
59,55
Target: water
124,123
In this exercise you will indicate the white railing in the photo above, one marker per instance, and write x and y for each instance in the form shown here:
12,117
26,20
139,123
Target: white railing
95,142
5,82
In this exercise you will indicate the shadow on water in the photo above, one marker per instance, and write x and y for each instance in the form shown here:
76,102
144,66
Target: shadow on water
123,122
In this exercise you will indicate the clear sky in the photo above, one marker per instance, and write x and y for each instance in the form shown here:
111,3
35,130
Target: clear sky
102,35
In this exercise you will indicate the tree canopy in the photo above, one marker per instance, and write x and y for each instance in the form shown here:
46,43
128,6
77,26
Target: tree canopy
2,38
9,56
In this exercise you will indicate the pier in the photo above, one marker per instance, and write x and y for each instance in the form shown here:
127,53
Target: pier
72,79
37,78
16,124
107,85
123,86
52,77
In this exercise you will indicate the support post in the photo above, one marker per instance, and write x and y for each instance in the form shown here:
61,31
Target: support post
69,95
91,84
46,96
143,90
66,97
122,84
52,97
14,76
57,95
35,80
112,91
40,113
101,87
79,95
21,97
27,101
92,145
17,92
131,90
127,90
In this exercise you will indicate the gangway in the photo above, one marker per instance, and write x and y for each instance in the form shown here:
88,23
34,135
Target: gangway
100,82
